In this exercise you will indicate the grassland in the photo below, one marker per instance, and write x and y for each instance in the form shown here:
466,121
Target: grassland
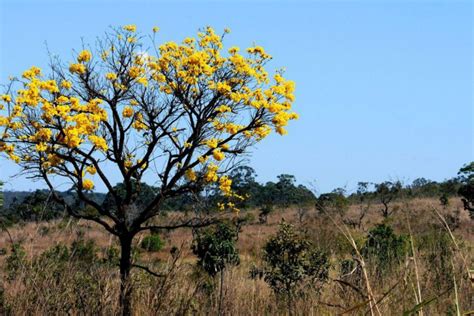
432,279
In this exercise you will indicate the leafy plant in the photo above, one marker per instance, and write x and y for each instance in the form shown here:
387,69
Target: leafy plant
152,243
384,247
291,259
466,191
215,248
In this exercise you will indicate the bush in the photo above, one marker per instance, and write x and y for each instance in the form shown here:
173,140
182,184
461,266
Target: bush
215,248
152,243
291,259
384,248
15,261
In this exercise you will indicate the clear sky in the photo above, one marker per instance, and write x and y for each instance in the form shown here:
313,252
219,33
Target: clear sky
384,89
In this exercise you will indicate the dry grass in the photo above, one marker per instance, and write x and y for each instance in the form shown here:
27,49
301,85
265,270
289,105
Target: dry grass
79,290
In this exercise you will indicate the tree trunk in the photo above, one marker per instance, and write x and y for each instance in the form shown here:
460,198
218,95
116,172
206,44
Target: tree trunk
289,300
221,294
125,267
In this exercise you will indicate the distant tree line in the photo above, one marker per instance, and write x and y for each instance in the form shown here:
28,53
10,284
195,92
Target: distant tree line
285,192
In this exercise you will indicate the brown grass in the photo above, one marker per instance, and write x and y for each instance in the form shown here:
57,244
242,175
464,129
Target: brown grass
94,290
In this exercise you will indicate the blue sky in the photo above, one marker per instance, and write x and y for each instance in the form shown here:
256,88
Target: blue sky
384,89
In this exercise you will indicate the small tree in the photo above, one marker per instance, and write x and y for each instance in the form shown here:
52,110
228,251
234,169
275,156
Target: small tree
384,248
1,195
265,210
291,259
216,249
333,203
364,200
466,191
386,192
182,114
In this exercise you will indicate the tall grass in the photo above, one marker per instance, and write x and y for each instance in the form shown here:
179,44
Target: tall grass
56,270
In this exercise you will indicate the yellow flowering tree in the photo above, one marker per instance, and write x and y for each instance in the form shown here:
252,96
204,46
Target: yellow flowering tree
182,112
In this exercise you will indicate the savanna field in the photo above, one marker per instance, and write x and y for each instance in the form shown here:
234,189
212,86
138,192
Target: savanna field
166,158
69,267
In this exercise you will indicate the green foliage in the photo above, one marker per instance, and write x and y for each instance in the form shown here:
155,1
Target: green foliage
85,251
444,200
334,202
61,278
466,191
437,248
265,210
15,261
283,193
216,248
143,194
291,259
152,243
384,248
1,194
386,193
34,207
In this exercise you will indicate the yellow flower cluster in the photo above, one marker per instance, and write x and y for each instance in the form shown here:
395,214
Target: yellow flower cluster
91,170
84,56
99,142
218,155
87,184
77,69
225,185
248,102
130,28
211,173
111,76
190,175
127,112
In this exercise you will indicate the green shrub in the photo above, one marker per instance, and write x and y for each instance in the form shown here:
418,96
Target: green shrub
290,260
85,251
15,261
152,243
215,248
384,248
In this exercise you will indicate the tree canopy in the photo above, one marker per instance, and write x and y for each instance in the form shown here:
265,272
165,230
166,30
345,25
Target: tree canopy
180,113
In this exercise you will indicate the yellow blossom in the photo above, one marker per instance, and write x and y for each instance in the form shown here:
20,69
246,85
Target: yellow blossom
91,169
99,142
225,185
66,84
84,56
190,175
212,143
218,155
127,112
87,184
77,68
111,76
6,98
130,28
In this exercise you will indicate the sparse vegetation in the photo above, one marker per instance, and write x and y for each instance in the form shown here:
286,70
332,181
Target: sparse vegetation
146,205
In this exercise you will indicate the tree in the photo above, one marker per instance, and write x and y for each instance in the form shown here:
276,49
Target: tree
216,249
265,210
1,194
384,248
334,202
290,259
364,200
466,191
180,114
285,192
386,192
245,184
36,206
